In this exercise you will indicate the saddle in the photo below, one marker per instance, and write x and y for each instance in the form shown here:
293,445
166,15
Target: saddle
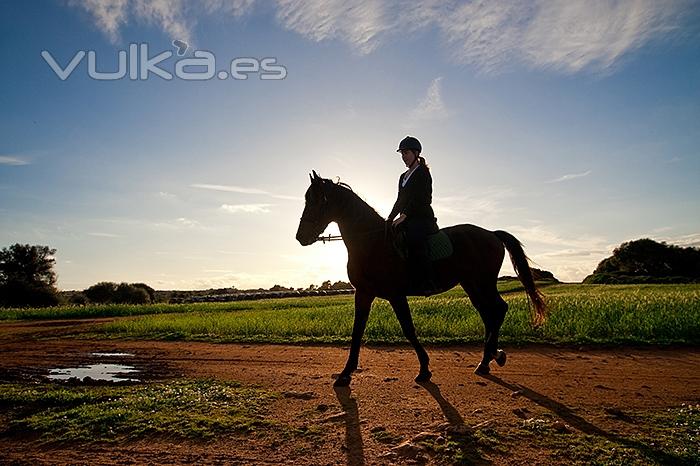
438,245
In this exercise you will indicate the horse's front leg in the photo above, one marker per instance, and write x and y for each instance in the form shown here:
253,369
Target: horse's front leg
363,303
403,313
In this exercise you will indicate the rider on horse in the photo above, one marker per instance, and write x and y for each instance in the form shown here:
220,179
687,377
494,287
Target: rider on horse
415,215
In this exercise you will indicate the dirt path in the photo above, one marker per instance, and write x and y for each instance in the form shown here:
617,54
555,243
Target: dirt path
585,389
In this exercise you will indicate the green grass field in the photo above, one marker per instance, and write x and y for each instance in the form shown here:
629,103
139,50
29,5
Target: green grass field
588,314
199,409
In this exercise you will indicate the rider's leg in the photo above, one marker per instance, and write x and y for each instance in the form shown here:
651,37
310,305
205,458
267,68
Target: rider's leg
418,261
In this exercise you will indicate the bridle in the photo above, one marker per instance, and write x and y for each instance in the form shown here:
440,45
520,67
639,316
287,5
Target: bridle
315,219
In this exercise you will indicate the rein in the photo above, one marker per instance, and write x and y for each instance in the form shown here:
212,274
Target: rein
329,237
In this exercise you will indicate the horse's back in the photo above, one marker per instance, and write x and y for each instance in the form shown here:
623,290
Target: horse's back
476,248
467,232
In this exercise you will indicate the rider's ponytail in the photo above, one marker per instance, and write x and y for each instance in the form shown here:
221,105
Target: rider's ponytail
421,161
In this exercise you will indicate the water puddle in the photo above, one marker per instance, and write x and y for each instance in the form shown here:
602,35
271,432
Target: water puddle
113,355
101,372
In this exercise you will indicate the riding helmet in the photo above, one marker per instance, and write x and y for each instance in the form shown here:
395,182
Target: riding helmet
409,142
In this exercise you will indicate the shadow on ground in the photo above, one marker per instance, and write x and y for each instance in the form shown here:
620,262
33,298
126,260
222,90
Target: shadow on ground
581,424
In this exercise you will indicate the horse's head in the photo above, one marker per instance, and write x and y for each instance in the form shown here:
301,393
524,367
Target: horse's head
317,212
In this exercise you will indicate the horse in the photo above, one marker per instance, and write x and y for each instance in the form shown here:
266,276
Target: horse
377,270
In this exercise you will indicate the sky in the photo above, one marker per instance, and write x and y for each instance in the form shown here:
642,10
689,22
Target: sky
574,125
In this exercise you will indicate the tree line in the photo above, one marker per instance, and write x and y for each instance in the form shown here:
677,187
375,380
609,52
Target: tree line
28,279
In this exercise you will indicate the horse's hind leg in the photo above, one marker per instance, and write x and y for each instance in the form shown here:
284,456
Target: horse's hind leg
492,309
403,313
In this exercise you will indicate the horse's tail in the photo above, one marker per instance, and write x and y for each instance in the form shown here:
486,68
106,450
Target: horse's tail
522,269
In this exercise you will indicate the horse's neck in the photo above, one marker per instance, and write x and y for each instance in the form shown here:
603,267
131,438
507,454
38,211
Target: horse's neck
359,224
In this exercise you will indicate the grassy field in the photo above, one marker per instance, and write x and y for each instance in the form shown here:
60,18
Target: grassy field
607,314
209,410
187,409
663,436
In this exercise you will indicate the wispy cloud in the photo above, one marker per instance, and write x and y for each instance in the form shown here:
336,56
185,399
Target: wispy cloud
232,7
356,22
692,240
573,35
187,222
243,190
569,257
14,161
228,188
247,208
99,234
109,15
169,15
180,223
563,35
167,196
484,205
432,107
570,176
544,235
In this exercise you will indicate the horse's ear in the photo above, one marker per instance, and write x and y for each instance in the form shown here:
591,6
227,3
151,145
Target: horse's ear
315,174
311,178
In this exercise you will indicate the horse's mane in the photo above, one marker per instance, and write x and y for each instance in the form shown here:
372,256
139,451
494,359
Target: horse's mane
351,201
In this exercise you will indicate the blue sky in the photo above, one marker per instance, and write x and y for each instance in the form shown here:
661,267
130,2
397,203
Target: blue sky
575,125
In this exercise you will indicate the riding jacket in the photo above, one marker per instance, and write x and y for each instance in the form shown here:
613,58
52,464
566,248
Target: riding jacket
415,197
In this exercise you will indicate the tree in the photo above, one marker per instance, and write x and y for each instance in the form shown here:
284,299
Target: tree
27,277
130,294
280,288
543,275
101,293
326,285
647,261
150,291
341,285
124,293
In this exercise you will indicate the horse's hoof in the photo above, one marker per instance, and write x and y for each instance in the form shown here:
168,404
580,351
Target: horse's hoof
424,376
342,381
482,369
500,357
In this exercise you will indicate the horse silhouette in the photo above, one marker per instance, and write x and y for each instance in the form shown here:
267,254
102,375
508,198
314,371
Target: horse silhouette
377,270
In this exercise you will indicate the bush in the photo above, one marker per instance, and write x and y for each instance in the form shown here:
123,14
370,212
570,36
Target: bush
101,293
22,294
130,294
78,298
150,291
124,293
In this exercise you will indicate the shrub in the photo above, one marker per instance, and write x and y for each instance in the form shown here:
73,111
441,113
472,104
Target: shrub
101,293
22,294
78,298
130,294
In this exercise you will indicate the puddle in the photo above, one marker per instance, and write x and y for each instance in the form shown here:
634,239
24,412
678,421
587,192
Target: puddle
113,355
102,372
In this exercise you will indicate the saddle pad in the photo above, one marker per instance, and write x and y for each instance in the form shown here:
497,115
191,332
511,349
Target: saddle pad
439,246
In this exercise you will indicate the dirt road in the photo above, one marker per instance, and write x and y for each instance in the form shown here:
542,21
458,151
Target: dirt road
586,391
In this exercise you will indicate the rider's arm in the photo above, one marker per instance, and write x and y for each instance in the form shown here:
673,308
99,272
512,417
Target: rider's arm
398,205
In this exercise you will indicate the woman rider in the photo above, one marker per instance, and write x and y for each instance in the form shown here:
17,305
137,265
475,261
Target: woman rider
415,215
